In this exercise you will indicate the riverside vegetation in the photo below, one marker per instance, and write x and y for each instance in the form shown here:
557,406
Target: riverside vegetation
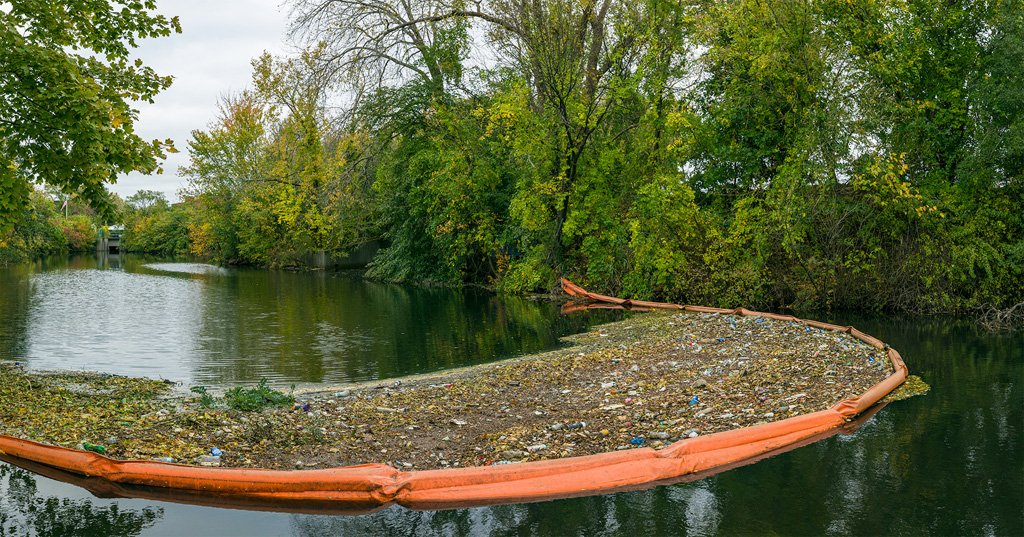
861,154
43,230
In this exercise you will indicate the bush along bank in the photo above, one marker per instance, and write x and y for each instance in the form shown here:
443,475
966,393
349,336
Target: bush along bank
40,229
871,167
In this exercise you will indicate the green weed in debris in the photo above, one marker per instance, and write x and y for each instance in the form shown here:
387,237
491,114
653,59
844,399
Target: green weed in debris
205,399
256,398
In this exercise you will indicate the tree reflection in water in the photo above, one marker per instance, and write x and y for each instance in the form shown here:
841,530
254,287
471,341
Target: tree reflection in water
948,463
24,512
686,509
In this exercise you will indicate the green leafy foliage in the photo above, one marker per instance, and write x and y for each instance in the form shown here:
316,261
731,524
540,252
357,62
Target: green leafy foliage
840,154
270,181
158,231
206,399
67,80
79,233
39,229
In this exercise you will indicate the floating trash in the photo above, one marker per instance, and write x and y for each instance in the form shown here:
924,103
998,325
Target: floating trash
594,396
95,448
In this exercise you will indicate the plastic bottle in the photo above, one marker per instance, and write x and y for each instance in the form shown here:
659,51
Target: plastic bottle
95,448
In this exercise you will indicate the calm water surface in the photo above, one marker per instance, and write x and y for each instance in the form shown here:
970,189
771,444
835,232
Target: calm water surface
201,324
949,463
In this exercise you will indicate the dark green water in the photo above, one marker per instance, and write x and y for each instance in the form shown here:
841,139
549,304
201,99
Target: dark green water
949,463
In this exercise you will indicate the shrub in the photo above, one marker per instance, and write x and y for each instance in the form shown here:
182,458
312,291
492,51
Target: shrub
79,232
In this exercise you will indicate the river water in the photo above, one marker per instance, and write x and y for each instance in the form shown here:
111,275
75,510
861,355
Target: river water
948,463
200,324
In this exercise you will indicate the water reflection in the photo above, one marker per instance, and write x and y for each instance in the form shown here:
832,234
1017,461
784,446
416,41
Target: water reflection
26,511
187,268
112,321
690,509
201,324
15,291
949,463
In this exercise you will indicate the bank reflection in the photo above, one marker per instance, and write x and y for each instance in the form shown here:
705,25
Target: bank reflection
323,327
689,509
198,324
24,510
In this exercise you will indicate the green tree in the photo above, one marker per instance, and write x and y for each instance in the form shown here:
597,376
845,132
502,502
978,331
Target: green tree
854,153
154,226
147,201
272,179
37,231
225,159
67,81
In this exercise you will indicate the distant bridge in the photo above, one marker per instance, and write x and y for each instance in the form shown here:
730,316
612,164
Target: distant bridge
109,240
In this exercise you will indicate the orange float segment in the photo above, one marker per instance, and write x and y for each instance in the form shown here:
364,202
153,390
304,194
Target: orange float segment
365,487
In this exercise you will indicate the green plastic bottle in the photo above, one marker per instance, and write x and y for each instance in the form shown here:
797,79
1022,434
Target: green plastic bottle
95,448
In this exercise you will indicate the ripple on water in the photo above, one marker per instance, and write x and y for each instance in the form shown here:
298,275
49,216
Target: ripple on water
112,320
202,324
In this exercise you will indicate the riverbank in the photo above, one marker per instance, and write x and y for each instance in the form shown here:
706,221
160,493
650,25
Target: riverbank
643,382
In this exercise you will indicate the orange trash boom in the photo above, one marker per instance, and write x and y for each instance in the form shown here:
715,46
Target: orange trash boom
367,487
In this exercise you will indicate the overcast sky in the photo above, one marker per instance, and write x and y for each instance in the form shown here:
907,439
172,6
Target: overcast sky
208,59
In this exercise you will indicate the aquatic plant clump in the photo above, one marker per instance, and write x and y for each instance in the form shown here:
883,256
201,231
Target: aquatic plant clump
644,382
254,399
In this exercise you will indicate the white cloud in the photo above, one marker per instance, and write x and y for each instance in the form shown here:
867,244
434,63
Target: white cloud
208,59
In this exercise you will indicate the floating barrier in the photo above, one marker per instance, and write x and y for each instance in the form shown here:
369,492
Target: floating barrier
363,488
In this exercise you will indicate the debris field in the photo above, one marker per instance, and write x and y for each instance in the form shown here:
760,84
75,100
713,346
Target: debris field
646,381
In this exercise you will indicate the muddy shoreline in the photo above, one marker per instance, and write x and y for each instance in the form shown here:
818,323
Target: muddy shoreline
646,381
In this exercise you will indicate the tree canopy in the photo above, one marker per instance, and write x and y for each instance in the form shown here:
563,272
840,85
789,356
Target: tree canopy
67,84
806,154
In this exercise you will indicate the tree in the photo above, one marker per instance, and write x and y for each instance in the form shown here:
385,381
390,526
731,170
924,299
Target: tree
375,43
294,94
575,56
833,153
271,180
147,201
225,161
67,81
